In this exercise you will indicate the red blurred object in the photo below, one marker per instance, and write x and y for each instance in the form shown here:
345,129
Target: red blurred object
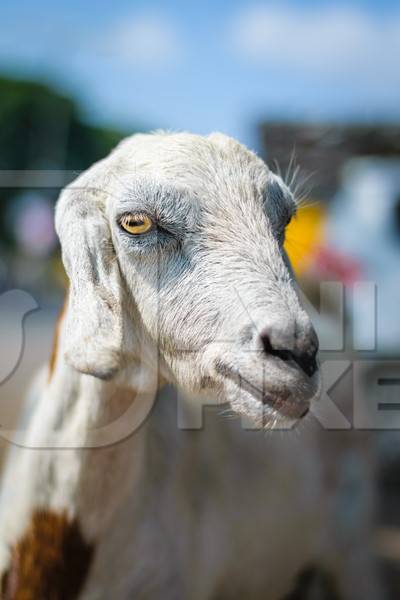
329,263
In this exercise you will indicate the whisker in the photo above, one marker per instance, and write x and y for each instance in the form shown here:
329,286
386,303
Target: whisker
290,166
294,176
301,189
277,167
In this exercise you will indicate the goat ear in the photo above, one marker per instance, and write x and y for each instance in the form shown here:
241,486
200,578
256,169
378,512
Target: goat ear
94,331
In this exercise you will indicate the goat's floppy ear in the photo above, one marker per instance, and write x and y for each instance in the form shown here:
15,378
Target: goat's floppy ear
94,331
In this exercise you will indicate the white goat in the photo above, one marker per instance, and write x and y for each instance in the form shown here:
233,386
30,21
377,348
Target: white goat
174,249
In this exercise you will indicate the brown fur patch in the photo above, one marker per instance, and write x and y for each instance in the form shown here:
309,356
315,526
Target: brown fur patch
56,338
50,562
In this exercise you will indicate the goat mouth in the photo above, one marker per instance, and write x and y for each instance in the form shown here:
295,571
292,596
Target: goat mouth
281,403
286,407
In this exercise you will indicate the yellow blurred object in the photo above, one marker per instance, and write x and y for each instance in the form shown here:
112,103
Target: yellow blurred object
304,234
58,272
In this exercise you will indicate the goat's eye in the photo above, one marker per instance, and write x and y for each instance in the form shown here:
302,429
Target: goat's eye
136,224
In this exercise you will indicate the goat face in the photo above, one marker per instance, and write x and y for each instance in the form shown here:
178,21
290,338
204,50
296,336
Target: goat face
182,236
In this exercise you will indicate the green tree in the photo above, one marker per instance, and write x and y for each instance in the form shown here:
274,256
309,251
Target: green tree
42,129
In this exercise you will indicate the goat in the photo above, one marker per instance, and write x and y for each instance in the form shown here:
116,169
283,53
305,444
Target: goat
173,245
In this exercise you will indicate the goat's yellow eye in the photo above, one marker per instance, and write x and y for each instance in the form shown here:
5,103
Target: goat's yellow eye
135,224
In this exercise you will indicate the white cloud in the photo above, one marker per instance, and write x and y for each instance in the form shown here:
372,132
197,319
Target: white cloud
145,41
336,40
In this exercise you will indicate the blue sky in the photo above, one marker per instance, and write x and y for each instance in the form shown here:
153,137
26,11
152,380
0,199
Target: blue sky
211,65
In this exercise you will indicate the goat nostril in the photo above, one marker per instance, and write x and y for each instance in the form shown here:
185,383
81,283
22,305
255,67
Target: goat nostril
307,361
266,342
283,354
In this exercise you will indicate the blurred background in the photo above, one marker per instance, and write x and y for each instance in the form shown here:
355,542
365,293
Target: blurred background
314,88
